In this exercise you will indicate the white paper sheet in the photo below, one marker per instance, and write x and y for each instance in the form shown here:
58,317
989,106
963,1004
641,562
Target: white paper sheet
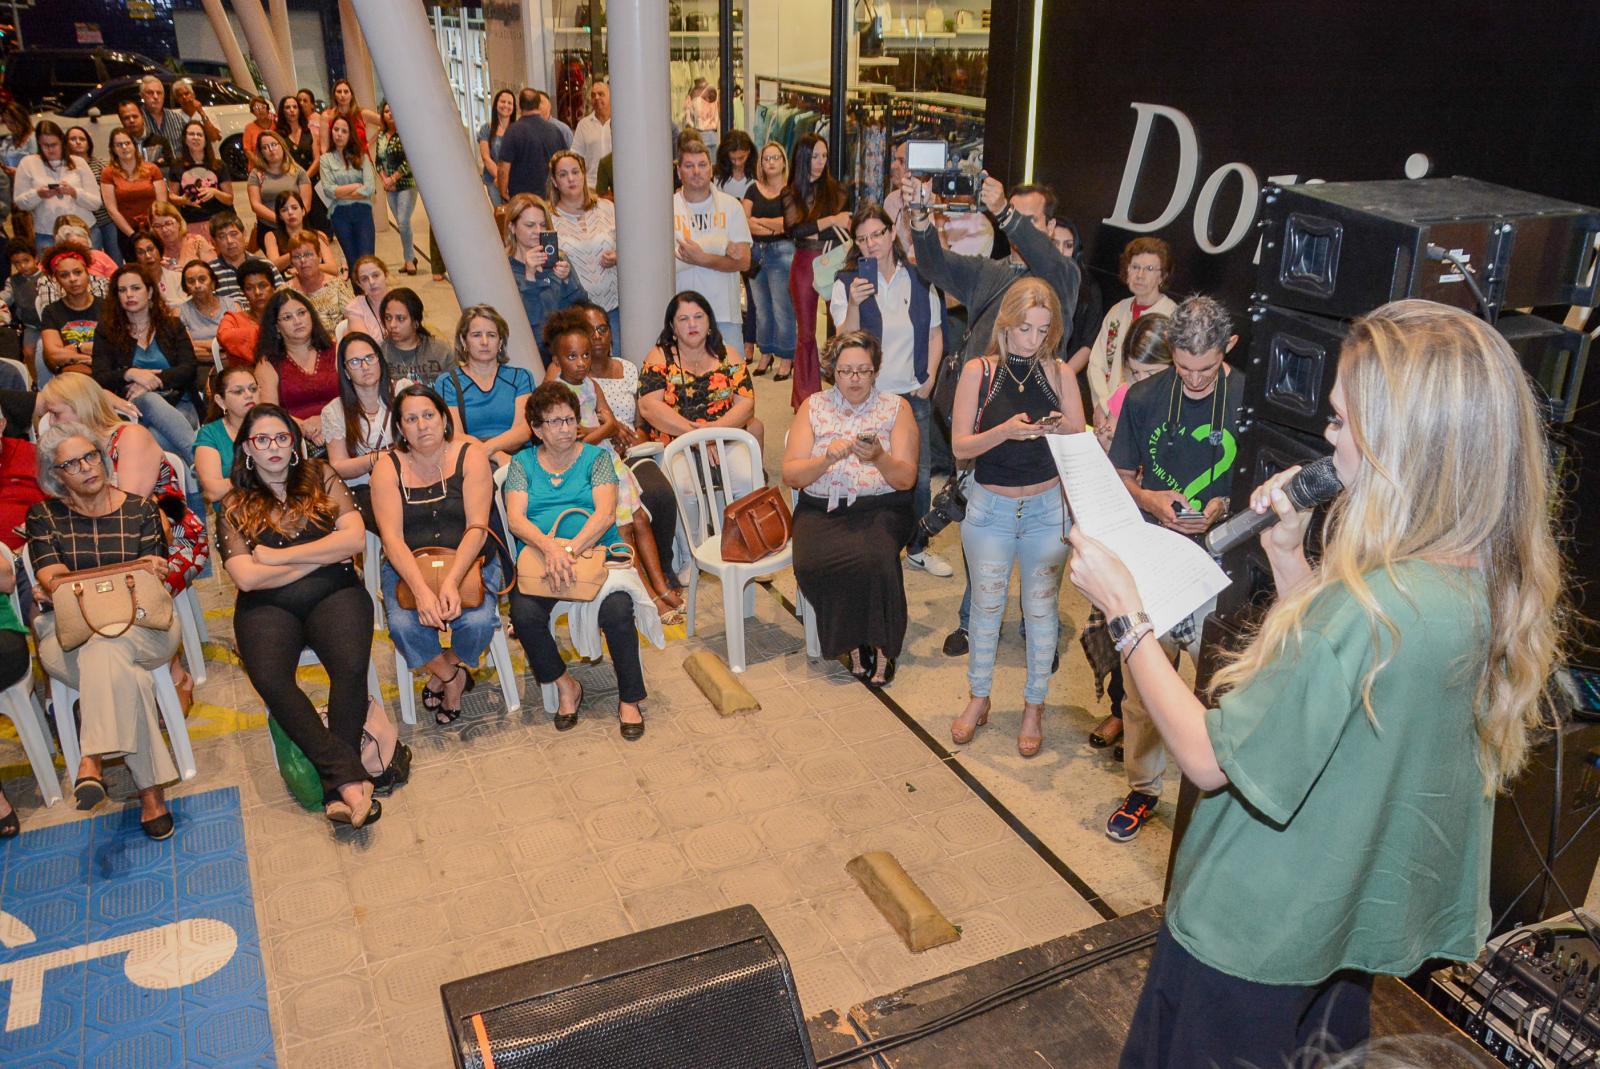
1174,575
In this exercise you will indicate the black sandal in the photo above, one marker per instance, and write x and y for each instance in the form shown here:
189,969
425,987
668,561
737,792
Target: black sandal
10,824
443,715
433,702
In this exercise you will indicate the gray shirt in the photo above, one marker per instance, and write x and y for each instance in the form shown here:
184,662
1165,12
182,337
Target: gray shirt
430,359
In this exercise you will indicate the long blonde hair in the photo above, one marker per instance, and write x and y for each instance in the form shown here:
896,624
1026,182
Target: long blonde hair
91,406
514,210
1022,296
1424,380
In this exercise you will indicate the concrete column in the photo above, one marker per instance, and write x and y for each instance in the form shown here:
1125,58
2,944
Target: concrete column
257,31
538,43
238,66
358,68
641,139
448,173
278,11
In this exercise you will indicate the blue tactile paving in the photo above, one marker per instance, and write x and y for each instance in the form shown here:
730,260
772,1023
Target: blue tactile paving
163,913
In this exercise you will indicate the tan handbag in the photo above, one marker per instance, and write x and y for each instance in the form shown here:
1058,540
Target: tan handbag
435,562
757,525
589,567
108,602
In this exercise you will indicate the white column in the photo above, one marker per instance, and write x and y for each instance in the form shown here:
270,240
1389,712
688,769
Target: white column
358,68
448,172
253,20
538,46
238,66
641,139
278,11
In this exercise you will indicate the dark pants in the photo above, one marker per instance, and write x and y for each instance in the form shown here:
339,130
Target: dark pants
333,617
531,616
15,661
662,504
1193,1015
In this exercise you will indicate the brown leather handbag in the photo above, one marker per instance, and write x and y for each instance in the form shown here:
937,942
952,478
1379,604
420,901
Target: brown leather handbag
589,567
108,602
756,525
435,562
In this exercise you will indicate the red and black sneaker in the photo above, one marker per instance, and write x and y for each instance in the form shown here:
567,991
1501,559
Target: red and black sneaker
1131,816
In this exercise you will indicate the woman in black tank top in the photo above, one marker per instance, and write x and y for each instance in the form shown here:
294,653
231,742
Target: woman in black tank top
1006,402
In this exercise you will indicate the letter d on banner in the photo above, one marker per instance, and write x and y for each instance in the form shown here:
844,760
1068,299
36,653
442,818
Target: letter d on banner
1188,167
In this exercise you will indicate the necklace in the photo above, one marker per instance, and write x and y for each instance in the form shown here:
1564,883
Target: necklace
1023,381
556,478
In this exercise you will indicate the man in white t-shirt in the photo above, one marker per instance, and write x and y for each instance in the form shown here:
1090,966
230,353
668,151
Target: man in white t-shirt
713,242
592,138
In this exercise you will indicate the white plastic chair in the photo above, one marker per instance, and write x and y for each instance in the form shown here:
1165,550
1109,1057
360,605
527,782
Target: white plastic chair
22,369
371,576
63,696
802,607
20,704
191,618
216,354
700,508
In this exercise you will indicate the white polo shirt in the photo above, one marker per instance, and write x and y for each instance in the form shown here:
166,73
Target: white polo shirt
898,374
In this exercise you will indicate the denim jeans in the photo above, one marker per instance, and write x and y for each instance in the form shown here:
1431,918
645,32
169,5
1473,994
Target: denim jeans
775,327
351,222
922,409
615,316
104,237
997,533
469,633
173,425
733,336
402,203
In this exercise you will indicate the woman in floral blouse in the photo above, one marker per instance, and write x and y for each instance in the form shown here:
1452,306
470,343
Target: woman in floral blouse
394,171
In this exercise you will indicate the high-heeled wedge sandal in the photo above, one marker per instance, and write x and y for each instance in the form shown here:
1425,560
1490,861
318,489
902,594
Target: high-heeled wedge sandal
1028,745
961,736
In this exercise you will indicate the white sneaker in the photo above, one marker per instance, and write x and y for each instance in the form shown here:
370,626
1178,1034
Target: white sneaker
932,563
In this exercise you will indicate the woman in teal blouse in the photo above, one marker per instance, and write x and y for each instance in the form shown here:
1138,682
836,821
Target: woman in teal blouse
233,393
563,472
1352,760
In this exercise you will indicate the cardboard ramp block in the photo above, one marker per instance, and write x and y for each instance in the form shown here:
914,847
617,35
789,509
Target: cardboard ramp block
903,904
726,694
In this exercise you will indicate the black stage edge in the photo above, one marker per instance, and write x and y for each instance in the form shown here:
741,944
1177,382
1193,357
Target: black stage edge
1080,1022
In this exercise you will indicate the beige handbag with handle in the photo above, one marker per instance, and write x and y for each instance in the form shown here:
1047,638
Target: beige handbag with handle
108,601
589,567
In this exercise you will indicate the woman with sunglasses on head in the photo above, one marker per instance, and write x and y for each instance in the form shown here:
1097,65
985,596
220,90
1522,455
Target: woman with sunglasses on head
345,183
288,533
295,362
89,522
436,490
1352,760
356,424
129,185
233,394
198,186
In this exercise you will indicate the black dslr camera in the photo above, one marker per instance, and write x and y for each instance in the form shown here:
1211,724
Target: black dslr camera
932,159
948,506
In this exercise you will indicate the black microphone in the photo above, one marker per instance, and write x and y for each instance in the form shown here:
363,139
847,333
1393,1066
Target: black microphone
1315,484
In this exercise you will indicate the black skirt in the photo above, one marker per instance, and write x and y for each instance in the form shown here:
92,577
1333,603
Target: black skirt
847,563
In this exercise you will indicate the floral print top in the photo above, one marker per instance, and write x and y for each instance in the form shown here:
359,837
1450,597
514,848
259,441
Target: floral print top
700,399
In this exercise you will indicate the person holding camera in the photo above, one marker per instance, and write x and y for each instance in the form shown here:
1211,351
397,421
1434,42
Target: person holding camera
878,292
1175,446
1006,402
852,454
1028,221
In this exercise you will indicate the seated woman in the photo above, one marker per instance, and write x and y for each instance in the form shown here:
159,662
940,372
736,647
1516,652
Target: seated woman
409,349
487,395
545,286
202,313
328,296
288,532
142,353
147,254
356,423
240,329
233,394
15,664
436,490
178,243
692,379
295,362
852,453
568,339
538,490
291,211
89,523
364,313
68,321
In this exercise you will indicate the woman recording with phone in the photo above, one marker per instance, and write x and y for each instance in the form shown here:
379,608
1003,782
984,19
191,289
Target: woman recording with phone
1006,401
1352,760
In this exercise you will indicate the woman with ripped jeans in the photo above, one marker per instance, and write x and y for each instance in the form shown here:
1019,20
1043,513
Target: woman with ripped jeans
1006,402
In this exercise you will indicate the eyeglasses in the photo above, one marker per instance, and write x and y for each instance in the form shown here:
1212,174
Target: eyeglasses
853,372
1144,269
271,441
354,362
561,421
79,464
862,235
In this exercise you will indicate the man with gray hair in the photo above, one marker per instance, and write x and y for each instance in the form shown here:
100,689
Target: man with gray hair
1176,443
158,118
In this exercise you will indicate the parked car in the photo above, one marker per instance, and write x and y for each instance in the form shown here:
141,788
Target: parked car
226,104
43,79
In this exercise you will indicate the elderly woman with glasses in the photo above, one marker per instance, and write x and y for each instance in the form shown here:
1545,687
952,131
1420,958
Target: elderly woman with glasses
435,491
852,454
90,523
1146,265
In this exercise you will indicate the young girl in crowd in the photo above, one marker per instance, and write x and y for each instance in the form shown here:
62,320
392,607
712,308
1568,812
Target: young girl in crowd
233,394
356,424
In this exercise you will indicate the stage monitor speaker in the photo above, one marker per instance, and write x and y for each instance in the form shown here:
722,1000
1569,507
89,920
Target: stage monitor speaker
1554,358
1515,862
711,991
1294,358
1344,248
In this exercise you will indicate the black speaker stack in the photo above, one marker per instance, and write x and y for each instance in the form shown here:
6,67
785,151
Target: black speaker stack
1336,250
